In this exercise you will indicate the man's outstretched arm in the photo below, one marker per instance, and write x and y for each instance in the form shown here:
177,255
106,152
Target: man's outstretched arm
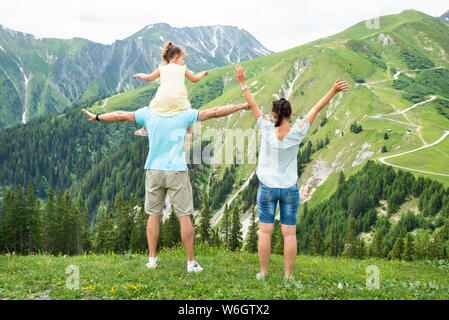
117,116
218,112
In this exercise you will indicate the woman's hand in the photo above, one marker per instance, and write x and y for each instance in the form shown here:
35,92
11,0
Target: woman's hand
340,86
239,74
137,76
206,73
92,117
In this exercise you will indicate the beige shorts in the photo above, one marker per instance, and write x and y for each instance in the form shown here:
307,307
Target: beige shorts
176,184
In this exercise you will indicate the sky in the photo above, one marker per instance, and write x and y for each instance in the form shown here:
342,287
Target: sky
278,25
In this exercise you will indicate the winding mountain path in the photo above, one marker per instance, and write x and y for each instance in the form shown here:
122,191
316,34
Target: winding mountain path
383,160
412,107
419,128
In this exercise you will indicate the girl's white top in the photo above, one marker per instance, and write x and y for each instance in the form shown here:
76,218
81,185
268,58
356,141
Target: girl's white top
171,97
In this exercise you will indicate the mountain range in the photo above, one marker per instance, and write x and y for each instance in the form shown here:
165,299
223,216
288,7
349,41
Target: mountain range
445,17
46,75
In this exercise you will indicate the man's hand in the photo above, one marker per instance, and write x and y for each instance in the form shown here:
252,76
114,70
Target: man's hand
92,117
340,86
239,74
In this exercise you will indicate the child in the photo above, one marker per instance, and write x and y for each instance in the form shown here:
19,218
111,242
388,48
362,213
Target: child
171,97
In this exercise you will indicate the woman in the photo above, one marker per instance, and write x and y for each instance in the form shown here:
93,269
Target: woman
277,171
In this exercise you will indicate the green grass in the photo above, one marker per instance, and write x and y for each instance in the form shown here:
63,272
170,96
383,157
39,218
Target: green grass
227,275
434,159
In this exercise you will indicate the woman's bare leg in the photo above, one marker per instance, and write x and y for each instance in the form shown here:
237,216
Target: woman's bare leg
265,232
290,248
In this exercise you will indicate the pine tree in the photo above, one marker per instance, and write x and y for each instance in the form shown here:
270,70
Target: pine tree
333,246
104,240
235,239
171,235
226,226
422,246
81,229
215,238
20,224
277,241
67,226
138,235
351,236
317,241
409,251
33,221
122,224
361,249
252,237
48,216
86,233
2,229
341,180
205,215
377,244
398,248
9,222
435,248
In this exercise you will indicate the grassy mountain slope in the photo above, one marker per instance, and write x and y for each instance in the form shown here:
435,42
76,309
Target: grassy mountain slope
390,70
370,60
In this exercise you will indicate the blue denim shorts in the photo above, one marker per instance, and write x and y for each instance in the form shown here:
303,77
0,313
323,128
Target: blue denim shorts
267,199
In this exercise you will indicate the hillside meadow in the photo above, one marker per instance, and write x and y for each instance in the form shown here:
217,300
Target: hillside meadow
227,275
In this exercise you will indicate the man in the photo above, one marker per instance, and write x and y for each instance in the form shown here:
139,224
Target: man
166,169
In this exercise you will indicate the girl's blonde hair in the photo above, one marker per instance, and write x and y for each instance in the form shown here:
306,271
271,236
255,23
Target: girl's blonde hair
170,51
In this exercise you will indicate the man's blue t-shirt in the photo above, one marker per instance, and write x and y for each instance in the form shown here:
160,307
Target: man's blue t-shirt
166,137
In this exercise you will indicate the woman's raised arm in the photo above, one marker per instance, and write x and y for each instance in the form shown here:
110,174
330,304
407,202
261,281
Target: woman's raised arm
338,86
240,75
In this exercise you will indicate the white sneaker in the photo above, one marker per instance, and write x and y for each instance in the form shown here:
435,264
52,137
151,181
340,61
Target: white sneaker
193,267
152,263
261,276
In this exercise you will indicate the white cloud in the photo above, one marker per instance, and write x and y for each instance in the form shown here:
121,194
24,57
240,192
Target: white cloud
278,24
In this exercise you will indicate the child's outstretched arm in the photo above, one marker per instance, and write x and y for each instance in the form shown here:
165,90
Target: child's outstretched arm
148,77
195,78
338,86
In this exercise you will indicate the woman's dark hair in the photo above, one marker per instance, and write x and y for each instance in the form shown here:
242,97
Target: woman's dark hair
170,51
283,109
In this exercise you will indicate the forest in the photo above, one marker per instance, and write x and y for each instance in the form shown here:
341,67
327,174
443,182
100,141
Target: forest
332,228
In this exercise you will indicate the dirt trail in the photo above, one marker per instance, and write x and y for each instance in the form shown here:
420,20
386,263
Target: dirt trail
404,114
383,160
